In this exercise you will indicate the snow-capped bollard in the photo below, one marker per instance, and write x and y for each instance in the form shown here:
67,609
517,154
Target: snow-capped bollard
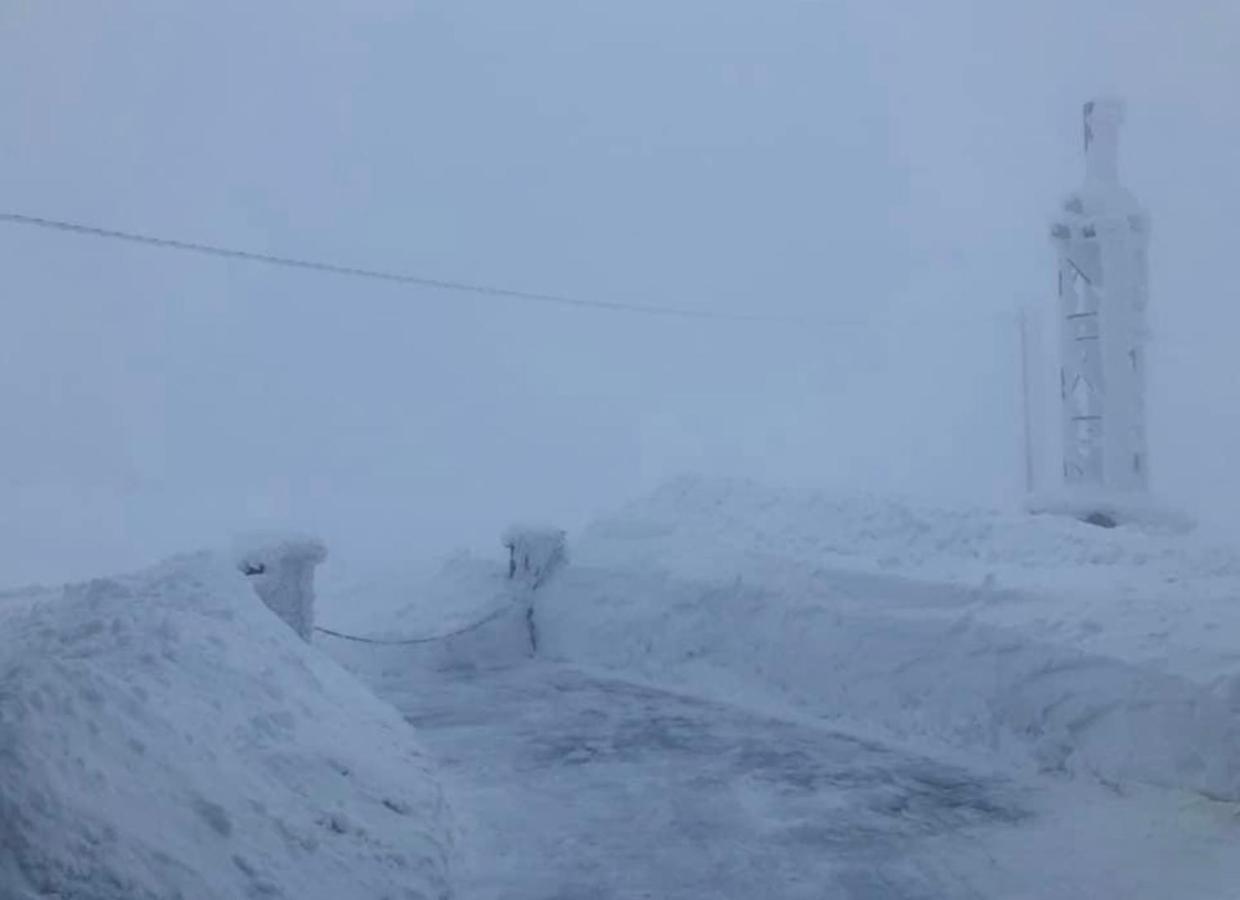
534,552
282,572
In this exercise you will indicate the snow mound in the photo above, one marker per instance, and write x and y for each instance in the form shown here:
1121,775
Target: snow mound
959,628
697,520
164,735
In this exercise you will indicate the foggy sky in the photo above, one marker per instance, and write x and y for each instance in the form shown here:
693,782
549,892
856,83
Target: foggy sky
883,172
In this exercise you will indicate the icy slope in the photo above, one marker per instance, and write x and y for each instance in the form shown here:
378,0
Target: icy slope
1037,640
164,735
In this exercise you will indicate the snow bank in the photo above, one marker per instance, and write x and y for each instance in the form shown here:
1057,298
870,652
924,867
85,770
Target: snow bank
164,735
965,628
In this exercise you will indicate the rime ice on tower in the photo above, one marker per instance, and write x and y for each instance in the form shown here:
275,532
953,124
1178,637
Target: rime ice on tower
1102,237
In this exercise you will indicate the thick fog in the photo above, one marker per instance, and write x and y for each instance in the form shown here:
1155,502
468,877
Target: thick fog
879,177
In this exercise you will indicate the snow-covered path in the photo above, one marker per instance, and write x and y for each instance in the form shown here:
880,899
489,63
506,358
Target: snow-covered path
574,786
568,785
581,787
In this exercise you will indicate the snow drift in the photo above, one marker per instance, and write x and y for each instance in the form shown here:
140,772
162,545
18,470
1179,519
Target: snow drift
1037,639
164,735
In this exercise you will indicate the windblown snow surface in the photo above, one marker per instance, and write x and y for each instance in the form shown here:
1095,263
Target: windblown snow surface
165,735
1042,642
709,648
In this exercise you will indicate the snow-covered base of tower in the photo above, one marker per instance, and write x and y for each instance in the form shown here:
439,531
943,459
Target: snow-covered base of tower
164,735
1111,509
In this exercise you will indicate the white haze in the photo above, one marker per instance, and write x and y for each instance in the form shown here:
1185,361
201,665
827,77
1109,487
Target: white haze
883,171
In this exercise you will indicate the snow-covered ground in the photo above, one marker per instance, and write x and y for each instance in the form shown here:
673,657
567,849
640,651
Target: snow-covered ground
731,691
165,735
573,784
1113,653
712,644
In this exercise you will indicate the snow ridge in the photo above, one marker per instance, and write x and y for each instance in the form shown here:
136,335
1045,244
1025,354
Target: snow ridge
164,735
1036,640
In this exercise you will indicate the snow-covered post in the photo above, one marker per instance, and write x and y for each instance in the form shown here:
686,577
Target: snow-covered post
534,552
1102,237
282,572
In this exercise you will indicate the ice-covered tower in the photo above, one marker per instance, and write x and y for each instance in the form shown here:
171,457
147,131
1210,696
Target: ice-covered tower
1102,237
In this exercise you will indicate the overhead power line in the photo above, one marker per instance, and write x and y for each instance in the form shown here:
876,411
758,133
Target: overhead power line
290,262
